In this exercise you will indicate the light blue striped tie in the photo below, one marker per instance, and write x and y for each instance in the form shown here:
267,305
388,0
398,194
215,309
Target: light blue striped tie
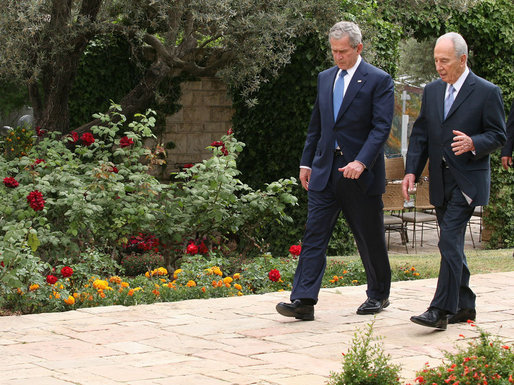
448,101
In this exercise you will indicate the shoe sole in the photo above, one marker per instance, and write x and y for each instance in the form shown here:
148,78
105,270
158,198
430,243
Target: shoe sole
422,323
289,313
367,312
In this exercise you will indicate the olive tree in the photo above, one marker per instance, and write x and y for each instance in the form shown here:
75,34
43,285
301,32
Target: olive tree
41,43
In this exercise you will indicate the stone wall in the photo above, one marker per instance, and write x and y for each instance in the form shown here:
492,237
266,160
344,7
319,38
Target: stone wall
205,116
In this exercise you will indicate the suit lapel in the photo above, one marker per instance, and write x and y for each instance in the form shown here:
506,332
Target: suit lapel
358,80
467,88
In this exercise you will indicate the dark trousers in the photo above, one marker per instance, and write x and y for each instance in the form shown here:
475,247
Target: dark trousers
453,291
365,218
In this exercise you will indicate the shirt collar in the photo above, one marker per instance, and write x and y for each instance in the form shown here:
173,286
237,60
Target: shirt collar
351,70
460,81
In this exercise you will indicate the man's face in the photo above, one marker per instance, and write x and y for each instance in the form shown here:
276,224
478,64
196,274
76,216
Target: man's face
345,56
447,64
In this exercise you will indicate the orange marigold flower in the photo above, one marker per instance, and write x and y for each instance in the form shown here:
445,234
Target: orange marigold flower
238,287
220,283
125,284
216,270
100,284
102,294
156,292
176,273
115,279
237,276
227,280
34,287
130,292
70,300
227,284
204,289
76,295
214,284
19,291
191,283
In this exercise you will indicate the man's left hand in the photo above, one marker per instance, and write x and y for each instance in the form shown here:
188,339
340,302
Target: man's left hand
462,143
352,170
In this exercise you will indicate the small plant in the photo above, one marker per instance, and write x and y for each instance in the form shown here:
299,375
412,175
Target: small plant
366,363
485,361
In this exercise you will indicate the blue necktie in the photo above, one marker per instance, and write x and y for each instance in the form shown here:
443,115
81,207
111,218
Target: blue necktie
338,96
338,92
448,101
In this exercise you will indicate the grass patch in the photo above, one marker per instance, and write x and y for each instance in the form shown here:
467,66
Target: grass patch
427,264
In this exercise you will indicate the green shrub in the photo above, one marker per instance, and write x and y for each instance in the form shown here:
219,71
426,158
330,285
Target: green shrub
136,264
365,363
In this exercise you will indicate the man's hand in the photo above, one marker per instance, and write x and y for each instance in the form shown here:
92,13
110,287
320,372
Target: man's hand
408,185
305,176
352,170
462,143
506,162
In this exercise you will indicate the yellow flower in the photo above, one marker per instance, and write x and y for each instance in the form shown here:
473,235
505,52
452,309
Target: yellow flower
238,286
125,284
355,281
191,284
100,284
209,271
147,274
216,270
34,287
239,293
227,280
162,271
176,273
57,295
237,276
70,300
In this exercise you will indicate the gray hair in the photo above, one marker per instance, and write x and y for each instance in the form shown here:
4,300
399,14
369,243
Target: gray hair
346,28
459,44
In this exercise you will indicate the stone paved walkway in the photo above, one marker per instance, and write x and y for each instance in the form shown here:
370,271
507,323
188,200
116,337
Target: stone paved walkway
238,340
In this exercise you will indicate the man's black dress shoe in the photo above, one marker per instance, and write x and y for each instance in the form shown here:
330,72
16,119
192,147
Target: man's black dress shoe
373,306
462,315
297,310
433,318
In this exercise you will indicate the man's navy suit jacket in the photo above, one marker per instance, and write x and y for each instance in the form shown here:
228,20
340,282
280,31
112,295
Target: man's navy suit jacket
478,112
361,128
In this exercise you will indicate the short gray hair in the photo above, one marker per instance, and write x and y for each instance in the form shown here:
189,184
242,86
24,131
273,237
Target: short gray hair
346,28
459,44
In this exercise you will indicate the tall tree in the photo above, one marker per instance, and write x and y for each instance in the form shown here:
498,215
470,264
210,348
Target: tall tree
41,42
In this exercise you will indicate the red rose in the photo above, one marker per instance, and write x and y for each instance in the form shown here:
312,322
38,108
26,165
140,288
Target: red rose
274,275
202,248
38,161
87,138
295,250
35,200
126,141
114,169
66,271
230,131
192,249
187,165
2,264
11,182
39,131
217,143
74,137
51,279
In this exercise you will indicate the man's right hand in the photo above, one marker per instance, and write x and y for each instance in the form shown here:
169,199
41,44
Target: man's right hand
408,185
305,176
506,162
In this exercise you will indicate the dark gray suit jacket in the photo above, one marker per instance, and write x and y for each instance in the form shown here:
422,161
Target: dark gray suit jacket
509,144
478,112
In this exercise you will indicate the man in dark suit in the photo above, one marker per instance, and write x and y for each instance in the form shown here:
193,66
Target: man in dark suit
342,168
506,153
460,123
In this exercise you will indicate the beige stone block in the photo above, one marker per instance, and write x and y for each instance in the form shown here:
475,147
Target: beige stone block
220,114
177,117
213,84
219,128
187,86
181,144
196,114
197,142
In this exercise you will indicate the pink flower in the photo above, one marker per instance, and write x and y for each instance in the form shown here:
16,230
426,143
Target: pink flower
66,271
192,249
126,141
274,275
35,200
11,182
87,138
295,250
51,279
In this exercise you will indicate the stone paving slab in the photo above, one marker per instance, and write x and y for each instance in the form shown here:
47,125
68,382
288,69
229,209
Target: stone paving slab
237,340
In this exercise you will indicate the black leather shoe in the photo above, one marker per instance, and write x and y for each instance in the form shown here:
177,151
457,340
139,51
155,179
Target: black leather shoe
373,306
462,315
433,318
297,310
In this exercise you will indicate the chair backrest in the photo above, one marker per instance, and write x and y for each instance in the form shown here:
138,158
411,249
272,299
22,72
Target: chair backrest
422,197
395,168
393,198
